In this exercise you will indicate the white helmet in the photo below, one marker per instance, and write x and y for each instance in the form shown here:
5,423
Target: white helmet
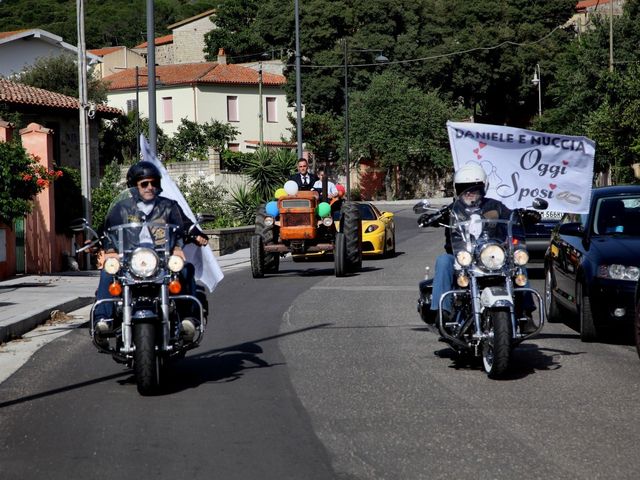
469,176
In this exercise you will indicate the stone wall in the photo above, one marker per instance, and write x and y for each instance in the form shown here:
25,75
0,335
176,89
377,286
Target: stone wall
227,240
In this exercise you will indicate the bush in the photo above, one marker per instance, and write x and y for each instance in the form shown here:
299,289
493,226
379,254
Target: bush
204,197
244,203
235,162
105,193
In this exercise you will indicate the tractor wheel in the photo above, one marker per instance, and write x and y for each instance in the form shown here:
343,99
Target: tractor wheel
257,256
340,255
269,235
351,227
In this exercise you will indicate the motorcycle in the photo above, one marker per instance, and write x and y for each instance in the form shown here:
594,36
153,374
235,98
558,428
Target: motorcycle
486,319
148,328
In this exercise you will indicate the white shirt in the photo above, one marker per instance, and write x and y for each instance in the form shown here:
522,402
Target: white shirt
331,187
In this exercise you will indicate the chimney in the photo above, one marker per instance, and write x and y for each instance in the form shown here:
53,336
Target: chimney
222,58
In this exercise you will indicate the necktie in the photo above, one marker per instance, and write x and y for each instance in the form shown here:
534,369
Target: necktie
304,180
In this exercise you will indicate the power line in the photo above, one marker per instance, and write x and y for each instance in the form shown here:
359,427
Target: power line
444,55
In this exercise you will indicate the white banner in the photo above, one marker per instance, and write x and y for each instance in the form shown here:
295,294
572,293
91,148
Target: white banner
208,271
522,165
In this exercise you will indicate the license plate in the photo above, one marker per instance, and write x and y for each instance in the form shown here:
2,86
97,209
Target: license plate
550,215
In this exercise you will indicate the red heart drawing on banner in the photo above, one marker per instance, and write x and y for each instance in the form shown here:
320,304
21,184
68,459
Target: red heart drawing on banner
482,145
565,162
479,157
475,150
552,186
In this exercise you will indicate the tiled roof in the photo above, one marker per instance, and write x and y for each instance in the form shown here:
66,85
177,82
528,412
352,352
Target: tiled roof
13,92
208,13
104,51
590,3
190,73
10,34
158,41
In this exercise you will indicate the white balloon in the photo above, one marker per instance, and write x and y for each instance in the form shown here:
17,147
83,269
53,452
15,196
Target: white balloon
291,187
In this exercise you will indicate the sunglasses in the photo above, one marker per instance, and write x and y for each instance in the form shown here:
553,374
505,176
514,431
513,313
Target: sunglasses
146,183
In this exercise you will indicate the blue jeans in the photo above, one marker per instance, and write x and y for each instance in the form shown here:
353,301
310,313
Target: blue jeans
106,310
443,282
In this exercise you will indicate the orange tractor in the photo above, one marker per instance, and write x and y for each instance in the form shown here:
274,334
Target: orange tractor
298,229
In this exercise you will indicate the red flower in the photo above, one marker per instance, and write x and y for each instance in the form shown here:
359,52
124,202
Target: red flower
26,177
58,173
41,182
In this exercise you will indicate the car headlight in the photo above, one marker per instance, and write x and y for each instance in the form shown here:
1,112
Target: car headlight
371,228
492,257
175,263
520,256
111,265
619,272
144,262
268,221
327,221
463,258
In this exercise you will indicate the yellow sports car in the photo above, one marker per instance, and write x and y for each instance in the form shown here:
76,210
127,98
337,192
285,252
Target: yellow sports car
378,230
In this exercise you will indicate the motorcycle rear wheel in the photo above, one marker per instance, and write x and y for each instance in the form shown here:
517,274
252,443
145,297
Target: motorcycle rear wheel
147,364
496,350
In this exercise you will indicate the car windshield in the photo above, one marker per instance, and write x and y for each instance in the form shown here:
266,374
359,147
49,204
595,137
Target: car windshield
366,212
617,216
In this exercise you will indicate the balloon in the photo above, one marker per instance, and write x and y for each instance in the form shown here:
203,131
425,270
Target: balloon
291,187
324,209
341,190
272,209
280,193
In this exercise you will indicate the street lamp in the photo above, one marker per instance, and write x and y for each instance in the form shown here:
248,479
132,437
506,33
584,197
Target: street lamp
537,80
379,59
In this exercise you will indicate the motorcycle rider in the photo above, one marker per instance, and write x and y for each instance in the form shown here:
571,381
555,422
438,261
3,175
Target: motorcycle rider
470,184
145,204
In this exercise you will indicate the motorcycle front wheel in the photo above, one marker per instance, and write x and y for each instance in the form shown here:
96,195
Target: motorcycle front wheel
147,364
496,349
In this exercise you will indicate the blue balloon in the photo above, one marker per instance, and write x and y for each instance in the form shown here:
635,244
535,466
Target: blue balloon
272,209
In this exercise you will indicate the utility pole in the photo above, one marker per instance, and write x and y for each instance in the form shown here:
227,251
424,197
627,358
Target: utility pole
298,94
151,78
611,35
260,113
85,161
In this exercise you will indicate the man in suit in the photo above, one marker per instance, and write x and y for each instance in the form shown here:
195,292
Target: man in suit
304,178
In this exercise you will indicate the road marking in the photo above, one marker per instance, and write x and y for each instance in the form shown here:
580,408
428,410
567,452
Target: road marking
371,288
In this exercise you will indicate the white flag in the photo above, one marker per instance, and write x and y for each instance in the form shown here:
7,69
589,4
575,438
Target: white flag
208,271
522,165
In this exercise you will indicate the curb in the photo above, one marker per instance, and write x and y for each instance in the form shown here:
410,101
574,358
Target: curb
20,327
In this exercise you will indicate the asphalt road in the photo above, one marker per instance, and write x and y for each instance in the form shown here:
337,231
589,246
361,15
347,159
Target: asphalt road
305,376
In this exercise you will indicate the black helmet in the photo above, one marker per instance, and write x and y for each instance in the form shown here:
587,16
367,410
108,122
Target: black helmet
141,170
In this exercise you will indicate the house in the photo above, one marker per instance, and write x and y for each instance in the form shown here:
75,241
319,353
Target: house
60,113
33,245
204,92
21,48
186,42
586,9
114,59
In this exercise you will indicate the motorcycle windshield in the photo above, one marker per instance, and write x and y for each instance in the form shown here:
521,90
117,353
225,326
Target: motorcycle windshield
473,229
128,227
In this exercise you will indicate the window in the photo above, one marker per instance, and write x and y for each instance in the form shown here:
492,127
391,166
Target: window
167,107
232,109
271,110
234,147
131,106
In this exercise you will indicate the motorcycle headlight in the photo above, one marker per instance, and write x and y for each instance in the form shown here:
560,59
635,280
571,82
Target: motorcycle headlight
463,258
520,256
268,221
492,257
175,263
619,272
327,221
111,265
144,262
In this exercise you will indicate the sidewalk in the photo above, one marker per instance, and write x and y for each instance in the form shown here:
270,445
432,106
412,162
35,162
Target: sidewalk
27,301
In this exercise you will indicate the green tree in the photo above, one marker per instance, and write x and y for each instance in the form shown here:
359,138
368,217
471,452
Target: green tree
193,140
400,126
102,195
60,74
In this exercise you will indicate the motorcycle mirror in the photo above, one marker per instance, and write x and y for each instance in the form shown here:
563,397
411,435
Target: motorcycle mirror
205,217
78,224
422,206
540,204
